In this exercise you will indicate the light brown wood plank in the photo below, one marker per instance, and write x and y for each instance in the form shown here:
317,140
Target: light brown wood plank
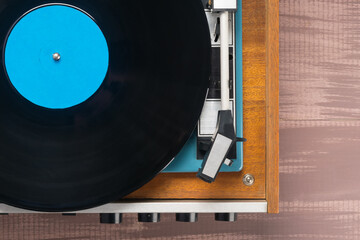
272,105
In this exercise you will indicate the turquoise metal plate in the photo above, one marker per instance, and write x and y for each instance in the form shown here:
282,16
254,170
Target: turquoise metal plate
186,160
56,29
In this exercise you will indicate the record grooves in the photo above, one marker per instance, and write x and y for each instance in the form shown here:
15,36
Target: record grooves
124,132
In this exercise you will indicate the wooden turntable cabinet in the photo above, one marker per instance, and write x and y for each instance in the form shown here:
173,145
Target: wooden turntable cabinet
261,124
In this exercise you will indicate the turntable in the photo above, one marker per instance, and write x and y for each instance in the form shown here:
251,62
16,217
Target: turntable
99,97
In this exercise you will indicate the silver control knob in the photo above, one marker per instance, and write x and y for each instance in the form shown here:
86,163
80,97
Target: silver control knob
149,217
110,218
187,217
226,217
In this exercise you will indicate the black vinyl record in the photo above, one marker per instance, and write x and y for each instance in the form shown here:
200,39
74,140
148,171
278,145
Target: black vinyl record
123,135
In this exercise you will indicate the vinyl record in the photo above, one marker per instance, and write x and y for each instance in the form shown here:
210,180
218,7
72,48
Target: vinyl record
96,96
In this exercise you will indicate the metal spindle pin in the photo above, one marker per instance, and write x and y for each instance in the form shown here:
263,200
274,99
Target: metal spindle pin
56,57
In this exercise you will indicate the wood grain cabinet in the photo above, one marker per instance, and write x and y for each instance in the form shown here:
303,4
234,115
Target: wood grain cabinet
261,127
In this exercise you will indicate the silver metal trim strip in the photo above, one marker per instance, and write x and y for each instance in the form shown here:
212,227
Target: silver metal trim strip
169,206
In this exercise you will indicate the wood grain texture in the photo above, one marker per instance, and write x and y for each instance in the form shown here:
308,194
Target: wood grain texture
230,185
319,145
272,105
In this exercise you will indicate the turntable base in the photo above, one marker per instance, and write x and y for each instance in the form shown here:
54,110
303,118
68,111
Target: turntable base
261,122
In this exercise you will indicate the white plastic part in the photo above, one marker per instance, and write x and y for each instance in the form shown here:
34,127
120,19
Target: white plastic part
225,5
218,151
224,60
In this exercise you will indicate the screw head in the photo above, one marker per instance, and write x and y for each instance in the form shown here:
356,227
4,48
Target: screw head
56,57
248,180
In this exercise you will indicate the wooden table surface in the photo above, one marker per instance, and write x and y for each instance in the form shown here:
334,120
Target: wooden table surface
319,144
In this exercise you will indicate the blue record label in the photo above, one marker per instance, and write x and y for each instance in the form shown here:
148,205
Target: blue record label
56,56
